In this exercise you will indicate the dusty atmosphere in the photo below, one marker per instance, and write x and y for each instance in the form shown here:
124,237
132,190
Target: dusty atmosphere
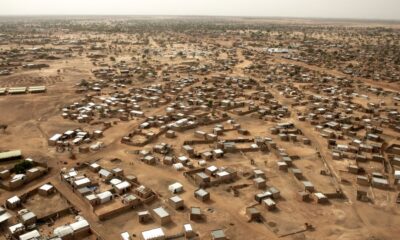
199,128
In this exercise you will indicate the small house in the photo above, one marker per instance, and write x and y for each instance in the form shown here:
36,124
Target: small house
34,234
170,134
274,192
153,234
259,182
105,197
261,196
188,231
380,183
176,202
362,180
259,173
320,198
206,155
253,214
195,214
46,189
83,182
202,195
27,217
95,167
308,186
282,165
53,140
13,203
4,174
161,215
201,177
218,153
211,170
16,229
93,199
303,196
122,187
269,204
218,234
144,216
125,236
175,188
143,191
362,194
105,174
81,228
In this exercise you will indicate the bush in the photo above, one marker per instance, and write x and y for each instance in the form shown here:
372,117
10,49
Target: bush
21,167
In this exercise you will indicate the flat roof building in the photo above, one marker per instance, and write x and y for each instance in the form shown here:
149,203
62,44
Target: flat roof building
153,234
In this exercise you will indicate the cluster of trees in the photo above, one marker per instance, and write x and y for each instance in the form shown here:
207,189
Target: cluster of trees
22,166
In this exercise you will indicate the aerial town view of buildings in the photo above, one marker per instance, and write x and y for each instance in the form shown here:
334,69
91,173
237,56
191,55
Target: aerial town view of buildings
196,127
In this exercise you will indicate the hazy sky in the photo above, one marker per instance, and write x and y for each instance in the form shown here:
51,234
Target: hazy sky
370,9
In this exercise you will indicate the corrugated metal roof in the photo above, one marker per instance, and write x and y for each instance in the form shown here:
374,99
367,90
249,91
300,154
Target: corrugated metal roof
4,217
81,224
30,235
153,234
63,231
161,212
10,154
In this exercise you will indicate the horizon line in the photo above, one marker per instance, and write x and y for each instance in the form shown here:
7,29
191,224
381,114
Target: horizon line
197,15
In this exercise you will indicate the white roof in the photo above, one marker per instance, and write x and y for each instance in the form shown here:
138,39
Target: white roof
68,132
269,201
188,227
16,227
30,235
55,137
319,195
82,181
201,192
63,231
125,236
176,199
178,166
91,197
72,173
218,151
27,216
104,172
123,185
212,168
223,173
4,217
46,187
397,174
17,177
33,169
175,187
153,234
136,112
183,159
160,211
14,199
115,181
104,195
79,225
94,165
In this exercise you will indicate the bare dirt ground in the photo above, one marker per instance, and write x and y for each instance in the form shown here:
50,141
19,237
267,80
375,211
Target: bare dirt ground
33,118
